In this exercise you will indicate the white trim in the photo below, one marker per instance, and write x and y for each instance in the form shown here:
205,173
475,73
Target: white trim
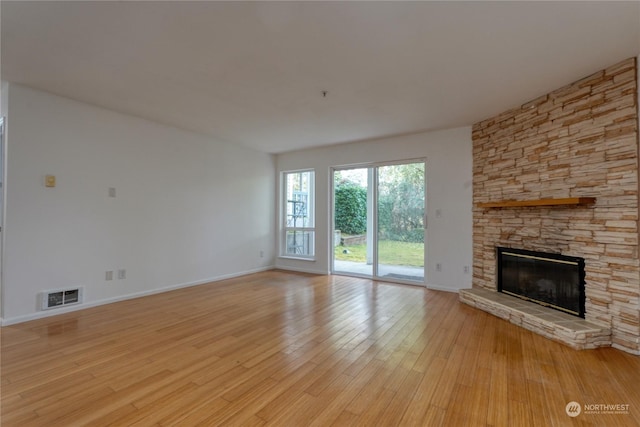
303,270
283,209
372,196
444,288
3,213
63,310
367,165
297,258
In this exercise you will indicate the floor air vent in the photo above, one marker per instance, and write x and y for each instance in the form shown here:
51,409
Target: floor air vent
61,298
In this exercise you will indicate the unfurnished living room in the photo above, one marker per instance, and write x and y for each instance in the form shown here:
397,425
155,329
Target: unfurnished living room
319,213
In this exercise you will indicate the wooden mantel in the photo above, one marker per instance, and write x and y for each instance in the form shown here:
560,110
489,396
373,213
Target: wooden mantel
539,202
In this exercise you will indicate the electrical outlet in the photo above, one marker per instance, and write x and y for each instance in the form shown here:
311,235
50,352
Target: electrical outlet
438,266
261,254
108,275
466,269
122,274
112,192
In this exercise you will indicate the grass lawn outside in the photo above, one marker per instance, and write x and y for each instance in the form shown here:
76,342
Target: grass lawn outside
390,252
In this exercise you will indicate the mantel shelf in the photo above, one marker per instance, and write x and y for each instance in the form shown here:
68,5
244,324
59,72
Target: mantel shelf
575,201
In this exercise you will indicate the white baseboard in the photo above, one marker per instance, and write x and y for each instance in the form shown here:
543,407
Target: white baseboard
49,313
302,270
443,288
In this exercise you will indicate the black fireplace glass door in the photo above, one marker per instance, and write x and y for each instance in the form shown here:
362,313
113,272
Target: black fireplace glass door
544,279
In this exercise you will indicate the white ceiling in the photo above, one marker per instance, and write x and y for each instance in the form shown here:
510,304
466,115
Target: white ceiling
253,73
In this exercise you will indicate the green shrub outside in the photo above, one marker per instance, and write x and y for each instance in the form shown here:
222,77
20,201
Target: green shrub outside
351,208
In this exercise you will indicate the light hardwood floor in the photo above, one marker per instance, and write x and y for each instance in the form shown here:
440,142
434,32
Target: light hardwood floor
288,349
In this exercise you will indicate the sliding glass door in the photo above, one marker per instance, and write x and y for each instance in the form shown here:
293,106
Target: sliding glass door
353,221
379,221
400,220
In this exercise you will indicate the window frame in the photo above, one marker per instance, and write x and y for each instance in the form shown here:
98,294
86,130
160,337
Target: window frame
309,228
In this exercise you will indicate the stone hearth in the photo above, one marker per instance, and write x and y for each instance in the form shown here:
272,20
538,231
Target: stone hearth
573,331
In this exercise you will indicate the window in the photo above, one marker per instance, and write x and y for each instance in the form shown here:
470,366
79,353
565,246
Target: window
299,227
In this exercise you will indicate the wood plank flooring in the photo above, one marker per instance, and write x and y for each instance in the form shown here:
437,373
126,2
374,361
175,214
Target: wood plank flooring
289,349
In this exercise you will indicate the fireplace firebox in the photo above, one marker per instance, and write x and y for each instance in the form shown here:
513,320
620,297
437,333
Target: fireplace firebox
551,280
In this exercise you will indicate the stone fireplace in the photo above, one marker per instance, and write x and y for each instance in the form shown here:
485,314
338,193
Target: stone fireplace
559,175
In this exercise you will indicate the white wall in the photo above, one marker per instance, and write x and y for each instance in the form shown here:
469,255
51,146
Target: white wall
187,210
448,156
4,103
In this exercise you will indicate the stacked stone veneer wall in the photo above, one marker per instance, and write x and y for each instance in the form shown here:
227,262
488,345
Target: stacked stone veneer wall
578,141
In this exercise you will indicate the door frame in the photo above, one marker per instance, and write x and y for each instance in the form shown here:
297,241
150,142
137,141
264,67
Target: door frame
3,205
374,221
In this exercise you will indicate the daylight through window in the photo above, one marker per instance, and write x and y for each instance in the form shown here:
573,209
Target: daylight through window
299,227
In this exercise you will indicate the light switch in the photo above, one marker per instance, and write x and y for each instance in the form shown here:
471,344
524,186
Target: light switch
50,181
